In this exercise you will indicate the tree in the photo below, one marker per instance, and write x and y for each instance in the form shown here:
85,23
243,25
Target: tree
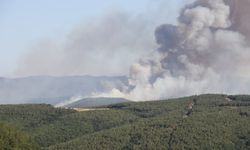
12,139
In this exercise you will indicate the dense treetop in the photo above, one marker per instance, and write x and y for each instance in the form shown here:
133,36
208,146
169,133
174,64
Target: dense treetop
196,122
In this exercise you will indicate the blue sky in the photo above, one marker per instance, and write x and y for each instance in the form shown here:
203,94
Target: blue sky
24,22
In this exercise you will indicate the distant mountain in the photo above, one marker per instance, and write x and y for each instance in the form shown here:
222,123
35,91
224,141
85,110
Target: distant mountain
96,102
52,90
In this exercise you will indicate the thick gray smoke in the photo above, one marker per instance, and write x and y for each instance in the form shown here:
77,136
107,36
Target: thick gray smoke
101,45
207,52
240,17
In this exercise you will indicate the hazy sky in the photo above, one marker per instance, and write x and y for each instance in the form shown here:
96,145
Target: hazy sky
23,23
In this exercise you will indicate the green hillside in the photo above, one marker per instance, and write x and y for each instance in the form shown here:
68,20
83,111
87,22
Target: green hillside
197,122
12,139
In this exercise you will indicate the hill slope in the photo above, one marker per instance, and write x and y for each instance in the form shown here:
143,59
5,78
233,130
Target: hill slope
96,102
197,122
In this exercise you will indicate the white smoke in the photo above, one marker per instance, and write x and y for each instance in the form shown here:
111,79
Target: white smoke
70,101
106,45
207,52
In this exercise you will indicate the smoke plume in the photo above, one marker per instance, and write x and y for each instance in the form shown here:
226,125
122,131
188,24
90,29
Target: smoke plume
115,41
239,16
206,52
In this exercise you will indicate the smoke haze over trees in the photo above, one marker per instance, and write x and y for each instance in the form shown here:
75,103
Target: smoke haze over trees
206,51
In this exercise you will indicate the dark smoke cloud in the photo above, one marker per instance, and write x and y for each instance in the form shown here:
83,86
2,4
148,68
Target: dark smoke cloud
240,16
167,36
207,51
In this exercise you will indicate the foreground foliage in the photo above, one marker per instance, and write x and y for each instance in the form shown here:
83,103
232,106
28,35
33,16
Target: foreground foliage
12,139
197,122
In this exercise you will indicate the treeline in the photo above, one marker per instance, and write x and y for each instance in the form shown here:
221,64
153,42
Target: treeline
235,104
244,98
143,125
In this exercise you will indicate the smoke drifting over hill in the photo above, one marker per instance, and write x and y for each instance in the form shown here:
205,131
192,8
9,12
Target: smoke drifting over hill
208,51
